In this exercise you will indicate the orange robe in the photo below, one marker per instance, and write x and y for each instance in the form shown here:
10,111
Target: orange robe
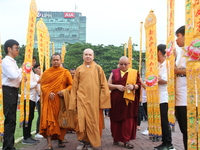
89,95
53,80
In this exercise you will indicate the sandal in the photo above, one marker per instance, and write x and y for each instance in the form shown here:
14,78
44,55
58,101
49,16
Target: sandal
61,144
128,145
49,148
115,143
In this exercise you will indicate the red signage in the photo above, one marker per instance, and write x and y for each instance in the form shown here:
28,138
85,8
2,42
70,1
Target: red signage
69,15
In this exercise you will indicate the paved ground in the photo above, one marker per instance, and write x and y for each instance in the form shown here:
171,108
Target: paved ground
142,142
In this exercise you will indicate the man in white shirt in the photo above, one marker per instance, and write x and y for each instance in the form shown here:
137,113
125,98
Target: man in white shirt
32,101
11,78
181,87
162,86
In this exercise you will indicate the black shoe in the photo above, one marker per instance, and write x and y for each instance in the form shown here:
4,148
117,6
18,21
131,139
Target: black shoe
28,141
35,140
160,147
170,147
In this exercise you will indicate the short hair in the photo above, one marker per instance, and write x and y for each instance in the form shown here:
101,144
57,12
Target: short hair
34,57
56,54
9,43
181,30
161,48
36,65
73,69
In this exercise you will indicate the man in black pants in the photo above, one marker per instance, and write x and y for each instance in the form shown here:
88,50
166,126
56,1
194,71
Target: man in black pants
11,78
163,94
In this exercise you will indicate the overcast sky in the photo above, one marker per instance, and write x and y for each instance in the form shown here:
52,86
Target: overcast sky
108,21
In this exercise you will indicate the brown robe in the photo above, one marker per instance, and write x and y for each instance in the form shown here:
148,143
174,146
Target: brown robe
53,80
123,117
89,95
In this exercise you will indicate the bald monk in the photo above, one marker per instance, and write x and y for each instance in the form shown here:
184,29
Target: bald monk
125,85
53,81
89,96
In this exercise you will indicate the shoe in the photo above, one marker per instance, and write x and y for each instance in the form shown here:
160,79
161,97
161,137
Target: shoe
128,145
170,147
89,147
164,147
156,139
80,146
38,135
38,141
28,141
145,132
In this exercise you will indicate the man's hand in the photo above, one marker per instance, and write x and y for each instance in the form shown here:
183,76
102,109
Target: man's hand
52,96
121,88
60,93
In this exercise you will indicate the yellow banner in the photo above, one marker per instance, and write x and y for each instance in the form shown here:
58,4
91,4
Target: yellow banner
47,49
140,61
130,51
170,59
192,52
41,37
153,102
28,63
63,52
125,49
1,99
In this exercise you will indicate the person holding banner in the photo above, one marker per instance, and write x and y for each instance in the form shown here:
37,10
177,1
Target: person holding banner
181,87
124,84
53,81
11,78
89,96
32,103
163,94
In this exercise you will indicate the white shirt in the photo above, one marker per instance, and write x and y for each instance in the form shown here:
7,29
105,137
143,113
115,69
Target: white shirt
181,83
37,88
11,74
144,95
163,87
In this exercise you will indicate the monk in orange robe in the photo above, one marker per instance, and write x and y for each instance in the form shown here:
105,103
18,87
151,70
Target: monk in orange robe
89,96
53,81
125,85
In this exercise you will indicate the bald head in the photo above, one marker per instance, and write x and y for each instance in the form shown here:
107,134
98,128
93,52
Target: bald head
124,58
88,56
123,63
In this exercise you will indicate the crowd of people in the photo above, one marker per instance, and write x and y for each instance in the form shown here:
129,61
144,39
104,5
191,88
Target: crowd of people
88,93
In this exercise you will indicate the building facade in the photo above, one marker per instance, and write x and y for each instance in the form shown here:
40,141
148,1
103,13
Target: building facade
64,27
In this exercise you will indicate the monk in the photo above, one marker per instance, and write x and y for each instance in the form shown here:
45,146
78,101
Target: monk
125,85
89,96
53,81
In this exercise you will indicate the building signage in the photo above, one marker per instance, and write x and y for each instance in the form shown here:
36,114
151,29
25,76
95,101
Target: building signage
69,15
44,15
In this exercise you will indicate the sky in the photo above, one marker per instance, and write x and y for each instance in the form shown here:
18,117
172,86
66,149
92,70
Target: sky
109,22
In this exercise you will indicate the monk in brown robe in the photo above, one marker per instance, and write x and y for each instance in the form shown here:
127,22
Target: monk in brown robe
53,81
89,96
125,85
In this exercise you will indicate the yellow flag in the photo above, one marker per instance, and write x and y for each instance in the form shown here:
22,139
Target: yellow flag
140,60
170,59
192,52
154,121
47,49
63,52
125,49
28,63
1,99
130,49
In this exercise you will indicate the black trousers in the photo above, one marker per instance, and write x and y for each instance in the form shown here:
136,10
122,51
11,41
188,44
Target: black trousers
181,116
10,98
38,119
27,127
166,130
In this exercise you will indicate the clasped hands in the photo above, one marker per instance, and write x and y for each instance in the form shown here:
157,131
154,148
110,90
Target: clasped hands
123,88
52,95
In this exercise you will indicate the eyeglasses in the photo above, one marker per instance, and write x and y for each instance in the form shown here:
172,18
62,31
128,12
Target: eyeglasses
123,64
16,48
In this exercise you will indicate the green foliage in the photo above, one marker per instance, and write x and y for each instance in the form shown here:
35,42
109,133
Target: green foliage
106,56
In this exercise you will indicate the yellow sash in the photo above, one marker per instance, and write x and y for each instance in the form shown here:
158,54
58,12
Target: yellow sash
131,79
